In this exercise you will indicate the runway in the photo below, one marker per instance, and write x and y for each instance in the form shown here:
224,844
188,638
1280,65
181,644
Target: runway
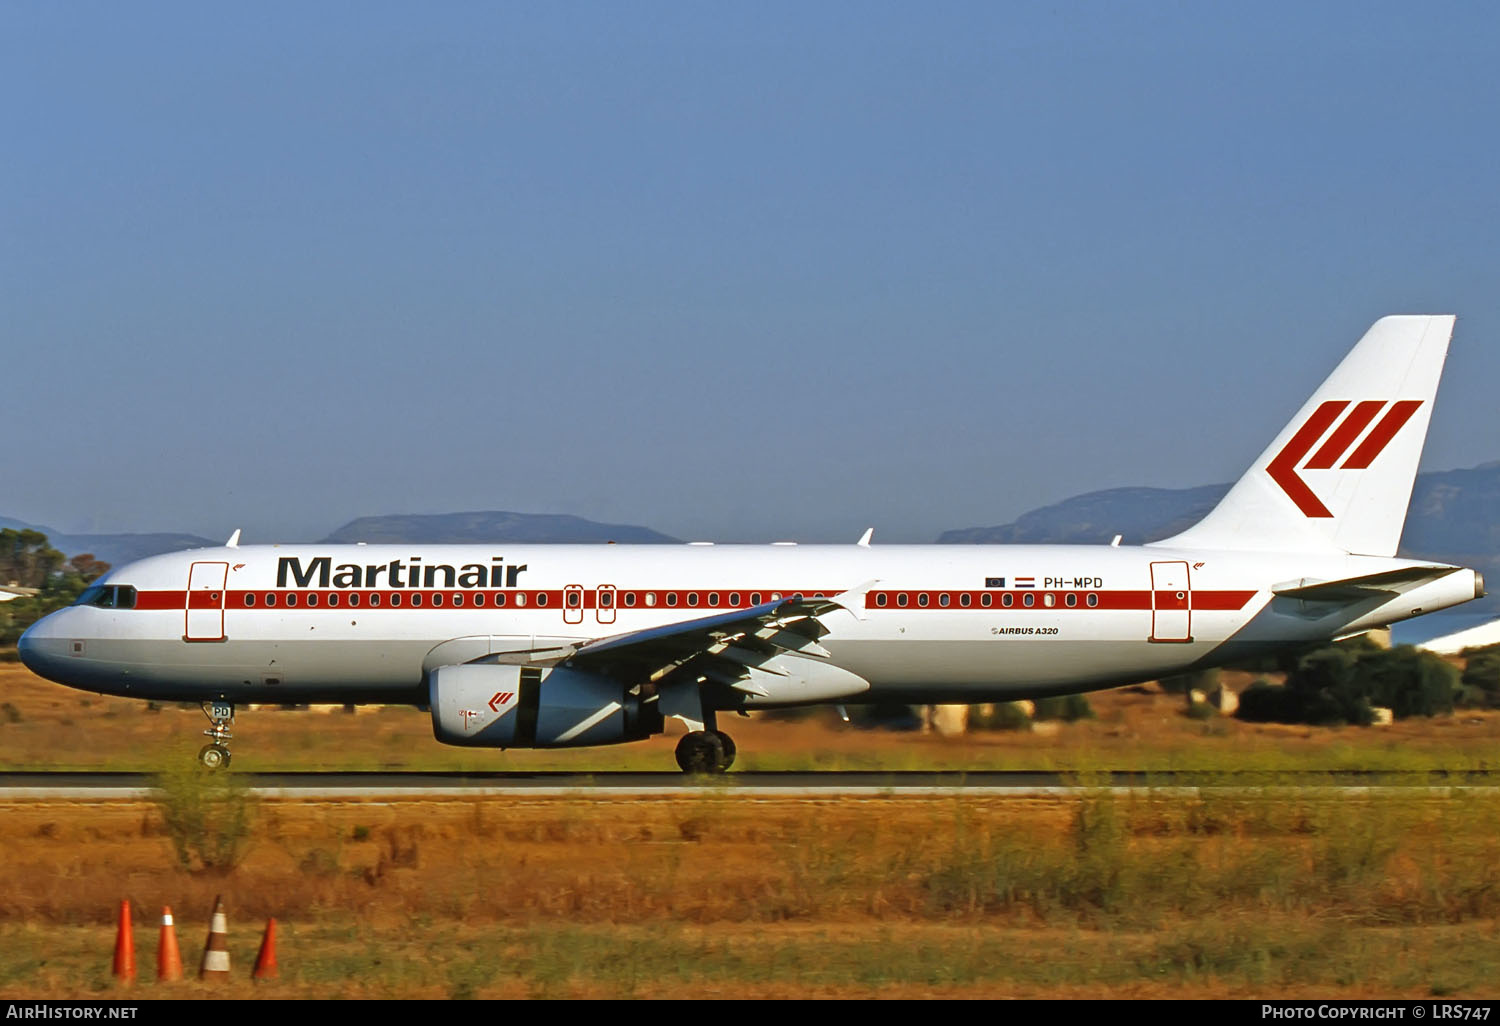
90,786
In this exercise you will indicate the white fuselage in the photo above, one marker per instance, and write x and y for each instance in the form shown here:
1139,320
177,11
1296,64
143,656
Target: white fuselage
928,623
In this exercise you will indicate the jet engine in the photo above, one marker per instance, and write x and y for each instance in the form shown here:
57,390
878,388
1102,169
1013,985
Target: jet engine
486,705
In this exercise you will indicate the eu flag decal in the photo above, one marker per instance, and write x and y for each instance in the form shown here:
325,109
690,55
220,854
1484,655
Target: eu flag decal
994,582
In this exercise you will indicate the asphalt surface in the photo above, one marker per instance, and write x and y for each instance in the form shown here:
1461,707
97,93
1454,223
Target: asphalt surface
337,785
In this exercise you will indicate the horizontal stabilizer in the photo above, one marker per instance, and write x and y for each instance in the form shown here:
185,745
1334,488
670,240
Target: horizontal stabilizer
1353,589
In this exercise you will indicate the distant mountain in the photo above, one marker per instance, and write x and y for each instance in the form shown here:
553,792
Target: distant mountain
495,526
1454,517
1140,514
114,549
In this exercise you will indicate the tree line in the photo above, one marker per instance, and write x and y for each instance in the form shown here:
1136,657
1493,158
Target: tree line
27,560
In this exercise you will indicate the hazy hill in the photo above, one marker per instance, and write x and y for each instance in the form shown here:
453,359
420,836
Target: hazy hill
114,549
494,526
1454,518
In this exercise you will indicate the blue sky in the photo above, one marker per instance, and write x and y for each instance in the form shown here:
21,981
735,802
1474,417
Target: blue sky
737,272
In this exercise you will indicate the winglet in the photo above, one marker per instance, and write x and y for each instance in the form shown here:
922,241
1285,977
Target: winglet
864,539
234,540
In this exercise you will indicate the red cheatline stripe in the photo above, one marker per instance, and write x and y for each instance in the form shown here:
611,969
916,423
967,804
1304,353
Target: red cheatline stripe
1106,600
1382,435
1283,469
1345,435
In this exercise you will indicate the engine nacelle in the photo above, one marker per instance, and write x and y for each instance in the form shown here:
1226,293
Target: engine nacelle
485,705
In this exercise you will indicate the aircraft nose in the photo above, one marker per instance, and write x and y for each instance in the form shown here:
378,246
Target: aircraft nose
42,649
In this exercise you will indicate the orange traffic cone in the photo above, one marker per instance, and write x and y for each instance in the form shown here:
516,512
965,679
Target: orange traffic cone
125,946
265,961
168,959
216,950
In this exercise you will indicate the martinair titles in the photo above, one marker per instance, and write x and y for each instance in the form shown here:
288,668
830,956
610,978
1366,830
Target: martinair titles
573,645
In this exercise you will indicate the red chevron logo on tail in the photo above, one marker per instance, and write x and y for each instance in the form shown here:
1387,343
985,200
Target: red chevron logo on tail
1283,469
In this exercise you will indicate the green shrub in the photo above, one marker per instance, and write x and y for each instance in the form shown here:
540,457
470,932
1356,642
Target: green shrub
1481,677
1068,708
1341,684
1201,711
1000,716
209,817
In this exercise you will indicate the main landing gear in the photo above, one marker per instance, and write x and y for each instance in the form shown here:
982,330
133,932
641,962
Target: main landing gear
215,754
705,751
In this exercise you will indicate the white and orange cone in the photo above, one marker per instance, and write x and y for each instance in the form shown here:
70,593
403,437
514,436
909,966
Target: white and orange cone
168,958
216,950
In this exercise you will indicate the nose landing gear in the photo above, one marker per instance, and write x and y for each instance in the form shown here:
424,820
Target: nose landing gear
215,754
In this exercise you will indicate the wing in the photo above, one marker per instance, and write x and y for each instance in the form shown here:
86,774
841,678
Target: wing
728,648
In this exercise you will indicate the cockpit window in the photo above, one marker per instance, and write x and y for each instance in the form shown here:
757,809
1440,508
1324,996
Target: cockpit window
107,596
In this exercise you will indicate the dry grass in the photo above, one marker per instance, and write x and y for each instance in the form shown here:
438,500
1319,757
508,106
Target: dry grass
1135,729
1159,895
1162,895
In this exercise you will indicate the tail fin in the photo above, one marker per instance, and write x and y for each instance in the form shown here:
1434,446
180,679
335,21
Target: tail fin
1340,475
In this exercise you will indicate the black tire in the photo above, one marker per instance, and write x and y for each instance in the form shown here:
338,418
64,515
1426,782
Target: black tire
727,743
214,757
700,752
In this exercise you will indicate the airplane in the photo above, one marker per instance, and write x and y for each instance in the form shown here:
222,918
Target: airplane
538,646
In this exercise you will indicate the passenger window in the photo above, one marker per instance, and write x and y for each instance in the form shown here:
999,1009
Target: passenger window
573,599
1028,600
901,599
630,599
270,599
333,600
374,599
1093,599
520,599
458,600
606,599
291,599
1071,599
479,598
1007,600
499,598
692,598
755,598
541,598
1049,600
965,599
437,600
354,599
986,600
249,598
395,598
650,598
880,600
944,600
922,599
671,598
734,598
312,599
713,598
